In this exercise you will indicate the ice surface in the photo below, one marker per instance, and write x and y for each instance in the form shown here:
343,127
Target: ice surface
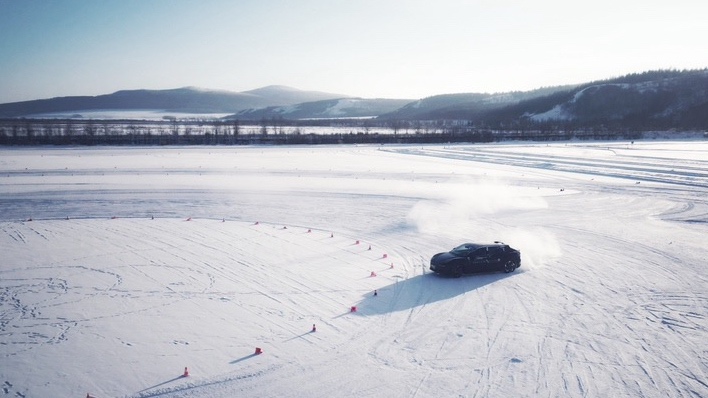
123,266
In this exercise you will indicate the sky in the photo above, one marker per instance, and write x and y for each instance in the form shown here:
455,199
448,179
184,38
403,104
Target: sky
368,48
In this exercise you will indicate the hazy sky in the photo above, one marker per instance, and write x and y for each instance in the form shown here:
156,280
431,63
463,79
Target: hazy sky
368,48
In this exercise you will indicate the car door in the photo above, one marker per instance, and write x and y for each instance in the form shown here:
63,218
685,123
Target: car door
494,258
478,261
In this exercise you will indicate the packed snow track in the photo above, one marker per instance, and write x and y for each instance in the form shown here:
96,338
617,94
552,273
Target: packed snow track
158,272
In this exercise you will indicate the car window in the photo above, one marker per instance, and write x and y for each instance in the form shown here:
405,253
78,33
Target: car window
495,251
479,253
460,251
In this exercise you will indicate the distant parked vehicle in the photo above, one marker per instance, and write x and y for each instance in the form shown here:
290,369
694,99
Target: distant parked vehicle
471,258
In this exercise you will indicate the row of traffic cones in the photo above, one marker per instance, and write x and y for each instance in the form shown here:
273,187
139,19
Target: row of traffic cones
353,308
258,350
356,242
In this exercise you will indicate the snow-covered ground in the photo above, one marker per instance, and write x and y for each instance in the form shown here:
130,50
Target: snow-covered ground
122,266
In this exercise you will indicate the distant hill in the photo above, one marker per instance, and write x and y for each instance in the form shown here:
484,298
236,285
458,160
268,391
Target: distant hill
665,99
465,106
650,100
658,99
184,100
326,109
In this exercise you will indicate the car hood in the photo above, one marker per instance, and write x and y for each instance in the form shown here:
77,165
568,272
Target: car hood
441,258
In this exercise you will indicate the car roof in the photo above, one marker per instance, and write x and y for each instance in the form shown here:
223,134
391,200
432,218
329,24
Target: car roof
474,246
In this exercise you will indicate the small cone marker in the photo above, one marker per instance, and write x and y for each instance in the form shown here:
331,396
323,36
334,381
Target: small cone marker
309,230
391,265
353,309
258,351
369,247
376,293
256,223
314,328
385,255
373,273
186,372
332,235
189,219
356,243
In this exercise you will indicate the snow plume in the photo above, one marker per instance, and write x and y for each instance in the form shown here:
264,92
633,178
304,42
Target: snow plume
538,246
486,213
476,206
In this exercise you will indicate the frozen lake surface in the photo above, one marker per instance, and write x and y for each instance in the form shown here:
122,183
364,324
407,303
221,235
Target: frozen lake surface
123,266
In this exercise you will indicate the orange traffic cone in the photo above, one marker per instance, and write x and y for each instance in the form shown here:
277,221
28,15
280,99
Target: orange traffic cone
259,350
373,273
314,328
353,309
186,372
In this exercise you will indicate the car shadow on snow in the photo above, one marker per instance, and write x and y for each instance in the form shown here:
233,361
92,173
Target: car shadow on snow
423,289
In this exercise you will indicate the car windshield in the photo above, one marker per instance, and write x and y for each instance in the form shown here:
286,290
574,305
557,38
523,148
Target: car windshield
463,250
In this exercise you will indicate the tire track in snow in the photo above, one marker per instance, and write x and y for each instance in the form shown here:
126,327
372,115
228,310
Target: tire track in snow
669,171
294,307
647,358
14,234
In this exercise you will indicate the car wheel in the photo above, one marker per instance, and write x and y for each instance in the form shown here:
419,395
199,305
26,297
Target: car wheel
457,272
510,266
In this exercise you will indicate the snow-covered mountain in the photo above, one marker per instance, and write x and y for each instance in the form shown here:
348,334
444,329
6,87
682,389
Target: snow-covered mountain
184,100
465,105
650,100
646,101
326,109
648,96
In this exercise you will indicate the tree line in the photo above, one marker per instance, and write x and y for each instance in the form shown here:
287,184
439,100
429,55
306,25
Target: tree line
29,132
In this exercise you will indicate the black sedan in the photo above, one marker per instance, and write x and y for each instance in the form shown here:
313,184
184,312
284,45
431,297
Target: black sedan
470,258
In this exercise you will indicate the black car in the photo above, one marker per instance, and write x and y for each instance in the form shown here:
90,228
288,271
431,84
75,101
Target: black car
470,258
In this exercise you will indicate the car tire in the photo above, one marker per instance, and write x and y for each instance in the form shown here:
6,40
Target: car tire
457,272
510,266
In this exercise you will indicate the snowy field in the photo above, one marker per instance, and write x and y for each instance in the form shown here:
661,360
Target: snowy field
121,267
